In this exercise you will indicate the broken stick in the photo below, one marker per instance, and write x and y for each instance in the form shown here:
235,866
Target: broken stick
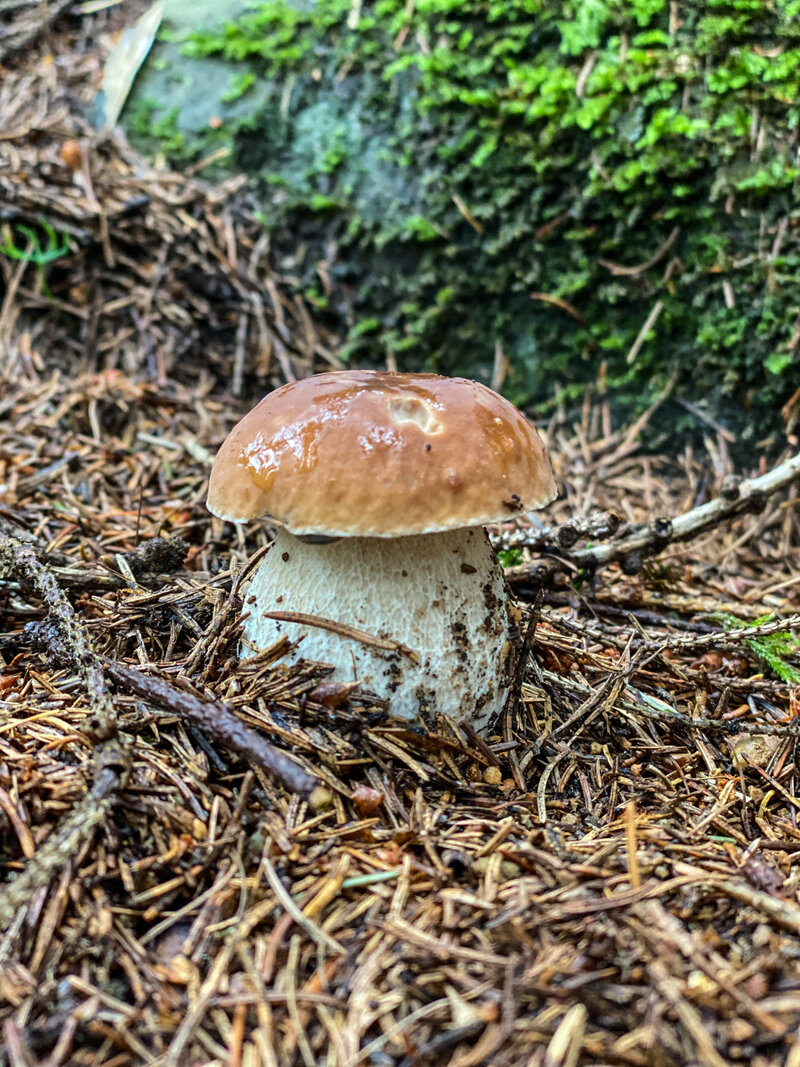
640,542
219,723
110,763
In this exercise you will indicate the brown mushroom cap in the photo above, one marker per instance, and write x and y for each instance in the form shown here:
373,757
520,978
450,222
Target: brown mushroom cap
377,454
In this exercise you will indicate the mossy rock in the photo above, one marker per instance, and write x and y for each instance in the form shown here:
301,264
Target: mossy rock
569,183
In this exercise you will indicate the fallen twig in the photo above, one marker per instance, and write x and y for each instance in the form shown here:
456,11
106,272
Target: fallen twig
68,641
599,526
110,770
220,724
749,495
724,638
110,759
643,541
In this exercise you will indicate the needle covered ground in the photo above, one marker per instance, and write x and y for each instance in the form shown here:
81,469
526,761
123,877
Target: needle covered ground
609,876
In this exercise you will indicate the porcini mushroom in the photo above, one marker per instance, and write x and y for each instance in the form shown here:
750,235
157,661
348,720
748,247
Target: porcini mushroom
382,483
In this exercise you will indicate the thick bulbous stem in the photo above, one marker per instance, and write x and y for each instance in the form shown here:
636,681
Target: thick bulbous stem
421,620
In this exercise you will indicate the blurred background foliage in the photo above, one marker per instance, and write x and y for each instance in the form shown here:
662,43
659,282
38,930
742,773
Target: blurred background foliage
548,186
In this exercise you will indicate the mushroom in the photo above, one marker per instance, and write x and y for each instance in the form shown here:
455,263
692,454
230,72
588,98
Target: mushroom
382,483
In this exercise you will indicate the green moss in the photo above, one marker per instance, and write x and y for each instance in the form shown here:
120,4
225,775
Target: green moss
155,129
469,153
240,83
510,557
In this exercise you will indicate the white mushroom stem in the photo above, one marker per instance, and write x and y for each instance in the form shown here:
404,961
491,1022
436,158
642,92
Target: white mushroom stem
422,620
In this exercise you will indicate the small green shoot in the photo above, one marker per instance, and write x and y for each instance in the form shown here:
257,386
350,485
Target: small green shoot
36,251
56,247
510,557
771,650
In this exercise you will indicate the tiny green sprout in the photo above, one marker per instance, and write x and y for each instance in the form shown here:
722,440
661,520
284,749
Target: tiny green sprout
771,650
36,251
56,246
510,557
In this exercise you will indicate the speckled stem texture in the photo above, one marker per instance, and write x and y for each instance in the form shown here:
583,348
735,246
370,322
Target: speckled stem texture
420,620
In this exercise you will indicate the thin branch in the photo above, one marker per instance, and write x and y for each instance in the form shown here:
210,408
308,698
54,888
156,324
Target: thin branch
110,772
651,539
64,636
219,723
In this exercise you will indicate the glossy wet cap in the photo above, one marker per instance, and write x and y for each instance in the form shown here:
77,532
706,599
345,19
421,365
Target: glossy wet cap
376,454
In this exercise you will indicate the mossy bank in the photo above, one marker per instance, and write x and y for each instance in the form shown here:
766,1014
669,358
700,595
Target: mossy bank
568,184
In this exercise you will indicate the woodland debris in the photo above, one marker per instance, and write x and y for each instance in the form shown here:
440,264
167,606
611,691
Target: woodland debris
634,545
484,888
111,761
424,864
31,19
218,722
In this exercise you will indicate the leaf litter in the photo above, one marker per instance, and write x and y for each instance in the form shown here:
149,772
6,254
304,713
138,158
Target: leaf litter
609,876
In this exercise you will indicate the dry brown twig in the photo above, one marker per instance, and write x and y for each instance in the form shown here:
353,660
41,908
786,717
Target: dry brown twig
636,544
221,725
110,758
70,643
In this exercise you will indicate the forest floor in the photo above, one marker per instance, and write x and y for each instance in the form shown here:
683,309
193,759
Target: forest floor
607,878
